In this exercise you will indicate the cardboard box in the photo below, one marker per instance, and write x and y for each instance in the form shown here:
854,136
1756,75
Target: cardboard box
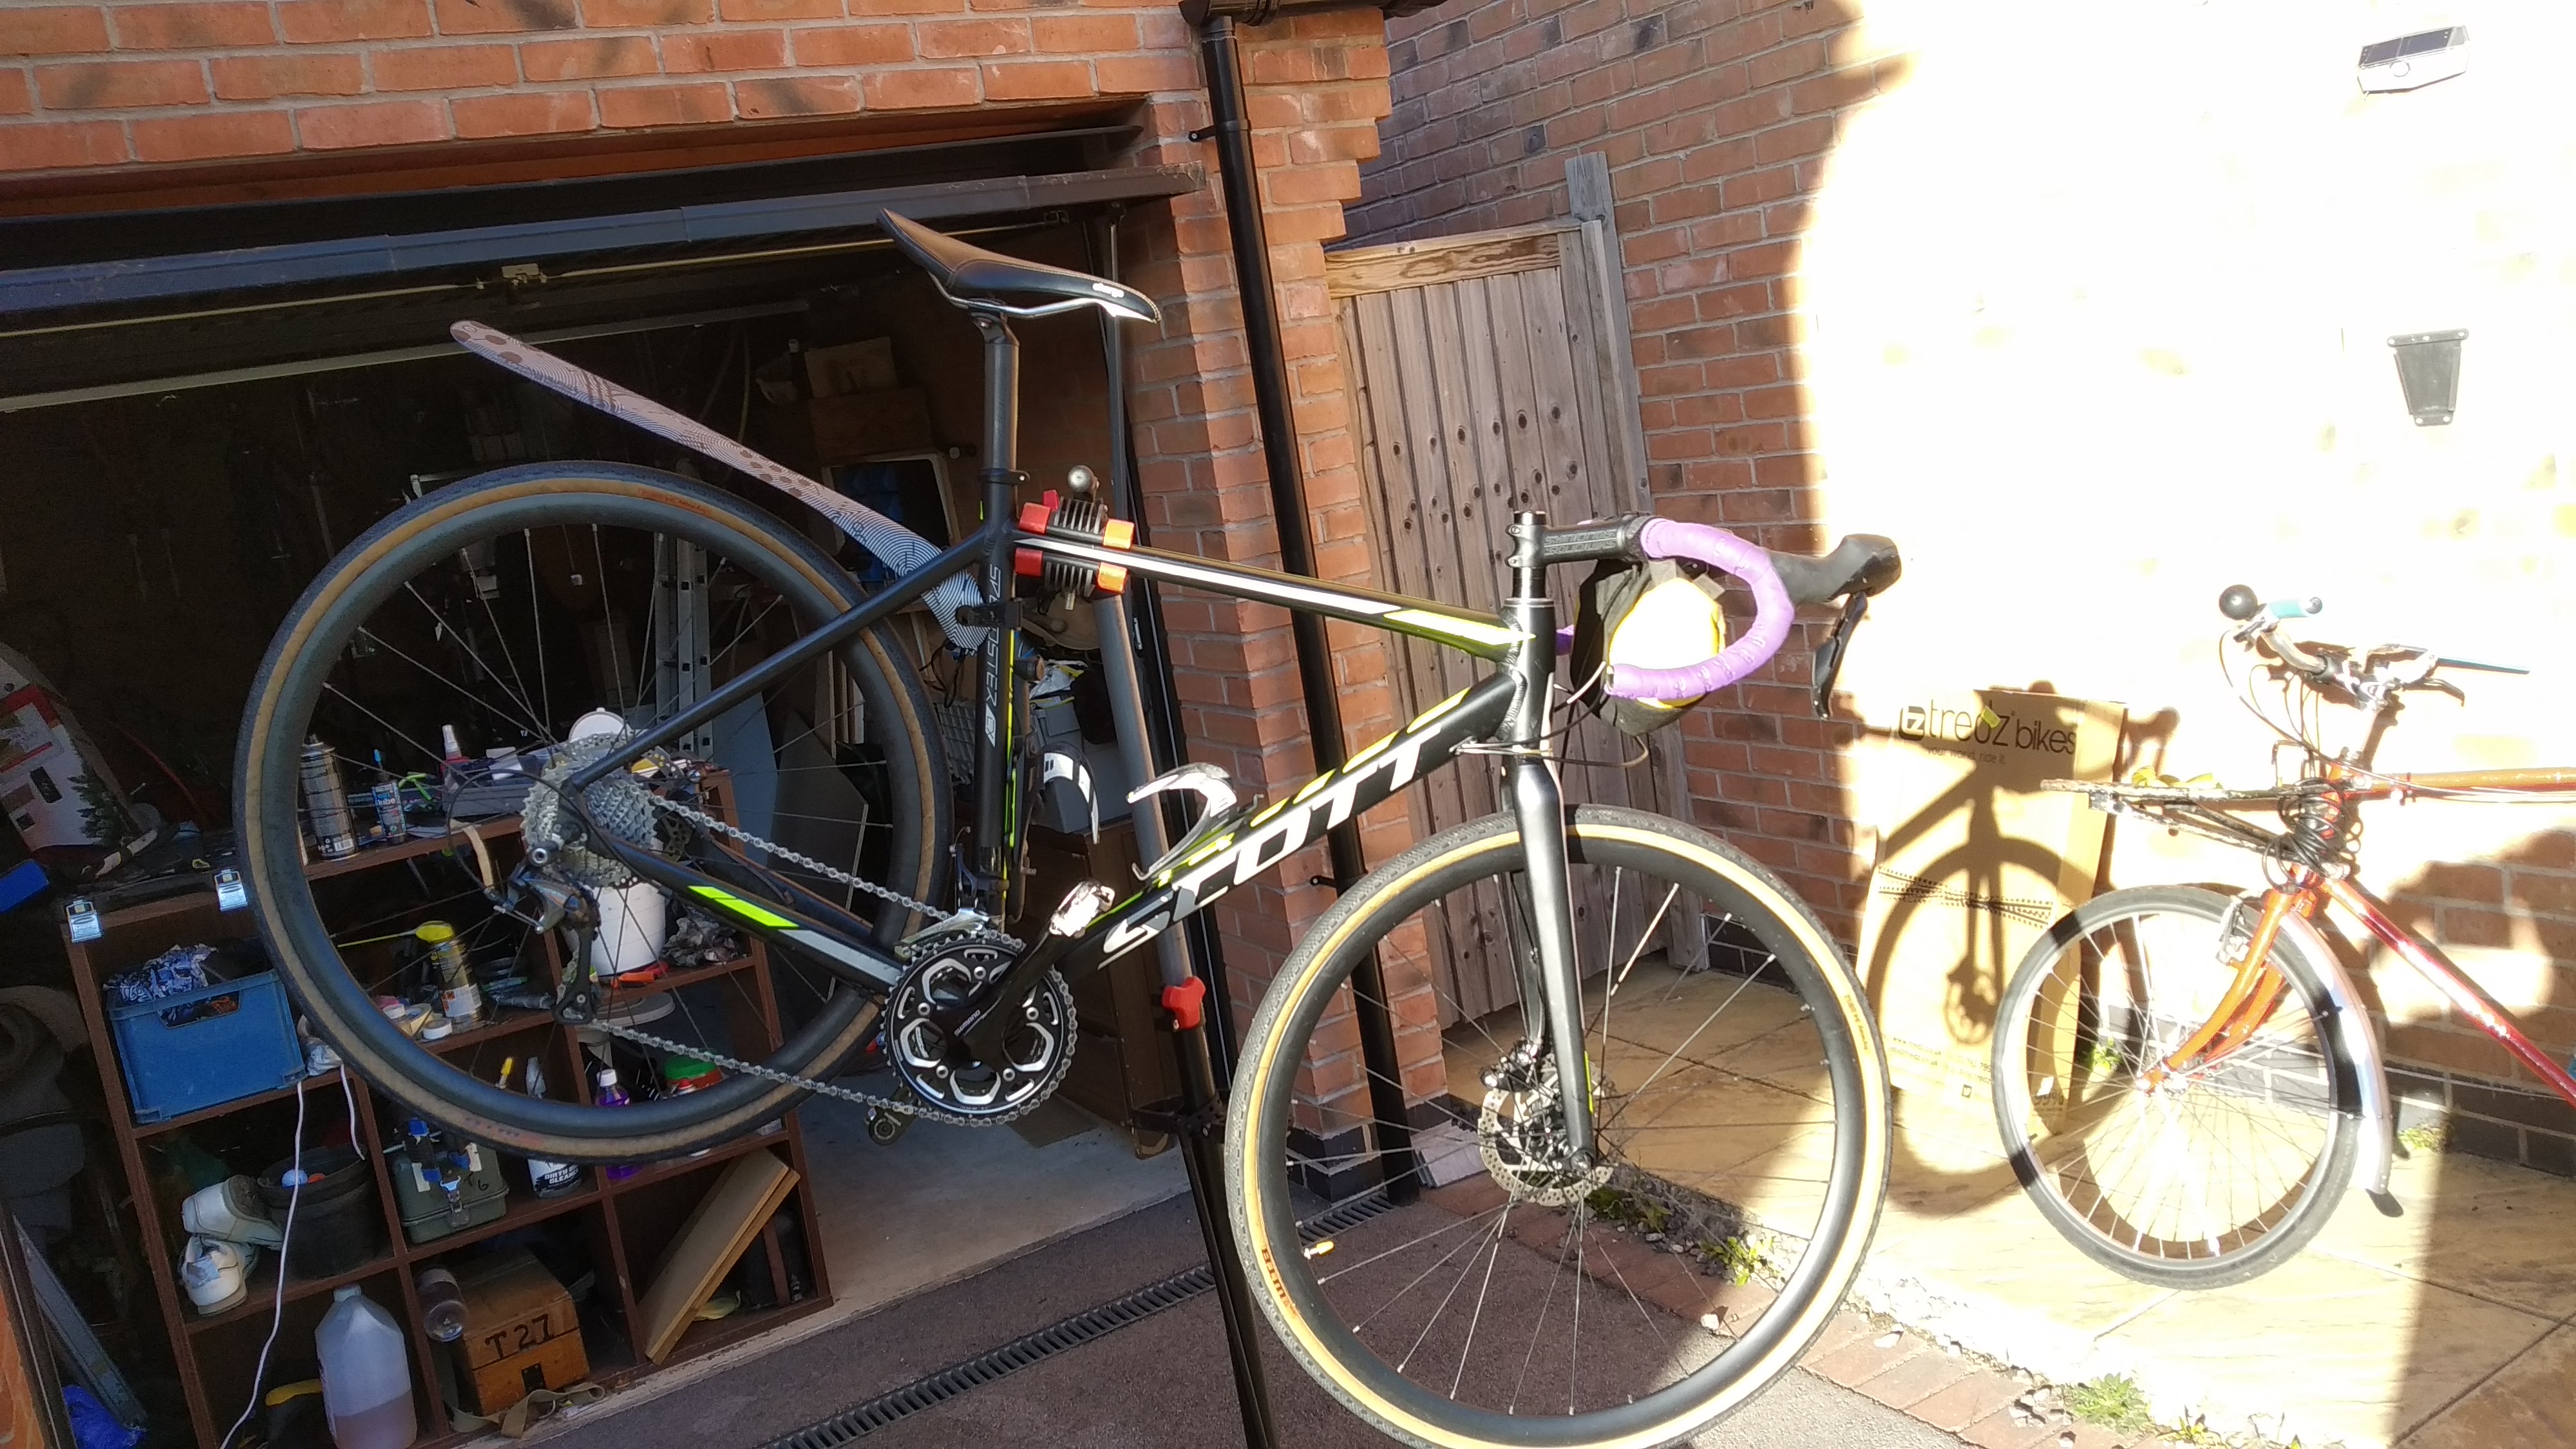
858,425
1974,862
851,367
521,1333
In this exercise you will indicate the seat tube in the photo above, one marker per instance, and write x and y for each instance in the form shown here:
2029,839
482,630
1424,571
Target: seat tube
1538,805
995,798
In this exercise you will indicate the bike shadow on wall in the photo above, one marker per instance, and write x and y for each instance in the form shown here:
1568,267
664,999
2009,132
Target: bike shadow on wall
1964,918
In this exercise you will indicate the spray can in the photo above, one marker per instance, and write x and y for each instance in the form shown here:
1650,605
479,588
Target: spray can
458,997
326,805
386,797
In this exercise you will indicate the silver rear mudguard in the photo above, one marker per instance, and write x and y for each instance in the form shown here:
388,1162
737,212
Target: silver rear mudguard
2360,1048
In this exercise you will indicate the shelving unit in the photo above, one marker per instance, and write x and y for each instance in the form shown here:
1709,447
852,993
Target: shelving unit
622,1227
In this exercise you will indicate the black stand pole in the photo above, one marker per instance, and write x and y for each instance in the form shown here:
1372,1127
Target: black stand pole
1198,1126
1196,1121
1230,126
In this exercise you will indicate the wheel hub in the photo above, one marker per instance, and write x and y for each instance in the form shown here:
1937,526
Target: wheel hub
1521,1136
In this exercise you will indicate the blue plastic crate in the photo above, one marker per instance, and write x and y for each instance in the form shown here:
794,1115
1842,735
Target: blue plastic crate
173,1070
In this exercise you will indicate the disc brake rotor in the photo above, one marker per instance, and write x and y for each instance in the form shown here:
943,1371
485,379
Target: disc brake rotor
1521,1136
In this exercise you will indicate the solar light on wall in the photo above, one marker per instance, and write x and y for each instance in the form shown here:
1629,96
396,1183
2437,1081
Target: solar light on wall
2428,367
2413,61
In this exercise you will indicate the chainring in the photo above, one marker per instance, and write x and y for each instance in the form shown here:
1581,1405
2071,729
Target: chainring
1037,1053
1521,1137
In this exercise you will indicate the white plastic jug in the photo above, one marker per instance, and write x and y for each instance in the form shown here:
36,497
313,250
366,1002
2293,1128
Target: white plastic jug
633,919
366,1377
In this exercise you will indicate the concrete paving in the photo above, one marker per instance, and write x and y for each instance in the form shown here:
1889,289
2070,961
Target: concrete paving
1161,1382
2452,1325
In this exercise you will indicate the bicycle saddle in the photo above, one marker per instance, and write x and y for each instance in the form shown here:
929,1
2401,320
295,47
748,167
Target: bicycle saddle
970,275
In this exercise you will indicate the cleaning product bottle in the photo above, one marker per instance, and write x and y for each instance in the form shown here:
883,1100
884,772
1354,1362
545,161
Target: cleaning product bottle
546,1177
604,1092
366,1374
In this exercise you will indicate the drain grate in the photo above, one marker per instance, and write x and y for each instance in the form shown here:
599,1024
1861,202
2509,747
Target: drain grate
865,1418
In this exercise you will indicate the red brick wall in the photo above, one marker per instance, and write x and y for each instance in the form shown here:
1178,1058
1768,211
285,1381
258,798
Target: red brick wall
145,82
1716,121
1317,92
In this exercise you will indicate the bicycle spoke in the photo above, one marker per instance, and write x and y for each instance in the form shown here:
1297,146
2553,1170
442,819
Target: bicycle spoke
1493,1255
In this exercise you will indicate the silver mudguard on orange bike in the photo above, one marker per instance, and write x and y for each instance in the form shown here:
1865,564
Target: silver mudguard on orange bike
2359,1046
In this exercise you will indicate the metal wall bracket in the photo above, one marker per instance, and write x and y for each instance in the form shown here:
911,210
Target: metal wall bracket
2428,367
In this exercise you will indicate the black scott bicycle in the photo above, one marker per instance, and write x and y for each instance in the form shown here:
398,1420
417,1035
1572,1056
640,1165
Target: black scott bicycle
1739,1110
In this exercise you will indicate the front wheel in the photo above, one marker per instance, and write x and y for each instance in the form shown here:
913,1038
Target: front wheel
1741,1148
2184,1174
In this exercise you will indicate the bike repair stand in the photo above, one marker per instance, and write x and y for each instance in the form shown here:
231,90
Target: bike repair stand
1196,1120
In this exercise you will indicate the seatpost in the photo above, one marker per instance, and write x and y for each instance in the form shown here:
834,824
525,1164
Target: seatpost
992,883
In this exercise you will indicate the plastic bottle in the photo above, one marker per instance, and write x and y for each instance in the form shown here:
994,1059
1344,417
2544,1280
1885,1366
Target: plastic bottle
442,1305
366,1374
546,1177
606,1093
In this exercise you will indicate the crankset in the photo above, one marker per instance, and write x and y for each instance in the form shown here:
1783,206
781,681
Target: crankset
1037,1048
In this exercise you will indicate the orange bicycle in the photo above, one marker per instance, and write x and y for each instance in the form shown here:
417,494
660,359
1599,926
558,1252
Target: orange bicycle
2186,1080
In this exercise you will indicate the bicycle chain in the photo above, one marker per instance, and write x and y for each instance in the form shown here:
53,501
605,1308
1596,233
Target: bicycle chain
816,1085
704,821
912,1108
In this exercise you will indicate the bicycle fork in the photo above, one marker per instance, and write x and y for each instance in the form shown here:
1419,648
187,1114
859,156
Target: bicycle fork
1538,805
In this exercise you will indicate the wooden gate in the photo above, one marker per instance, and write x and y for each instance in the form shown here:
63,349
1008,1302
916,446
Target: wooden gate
1492,373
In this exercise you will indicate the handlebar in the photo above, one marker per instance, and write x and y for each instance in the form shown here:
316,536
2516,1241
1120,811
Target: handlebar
2373,677
1772,613
1858,567
2240,604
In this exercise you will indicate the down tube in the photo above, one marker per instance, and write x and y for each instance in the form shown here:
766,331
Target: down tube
1278,831
2463,994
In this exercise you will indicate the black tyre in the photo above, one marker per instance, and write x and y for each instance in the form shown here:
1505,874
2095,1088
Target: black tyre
2191,1178
1743,1122
507,605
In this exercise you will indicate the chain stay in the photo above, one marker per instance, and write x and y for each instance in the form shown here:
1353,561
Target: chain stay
816,1085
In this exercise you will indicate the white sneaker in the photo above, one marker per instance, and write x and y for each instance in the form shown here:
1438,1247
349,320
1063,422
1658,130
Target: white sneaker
216,1273
231,1210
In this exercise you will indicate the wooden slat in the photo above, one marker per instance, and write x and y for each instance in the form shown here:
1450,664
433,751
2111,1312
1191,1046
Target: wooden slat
1463,537
1463,346
1425,447
1441,259
719,1228
1367,415
1403,531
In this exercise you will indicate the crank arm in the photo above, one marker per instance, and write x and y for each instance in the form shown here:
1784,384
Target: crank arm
986,1016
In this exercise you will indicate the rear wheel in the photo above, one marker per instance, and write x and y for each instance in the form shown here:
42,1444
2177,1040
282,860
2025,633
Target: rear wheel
2195,1177
507,606
1742,1149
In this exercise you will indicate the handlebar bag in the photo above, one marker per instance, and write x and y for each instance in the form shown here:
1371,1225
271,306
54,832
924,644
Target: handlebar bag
1656,615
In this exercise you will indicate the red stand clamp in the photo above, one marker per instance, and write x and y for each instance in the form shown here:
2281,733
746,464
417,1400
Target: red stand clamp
1187,1003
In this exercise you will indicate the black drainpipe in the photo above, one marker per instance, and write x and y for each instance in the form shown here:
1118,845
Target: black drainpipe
1240,182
